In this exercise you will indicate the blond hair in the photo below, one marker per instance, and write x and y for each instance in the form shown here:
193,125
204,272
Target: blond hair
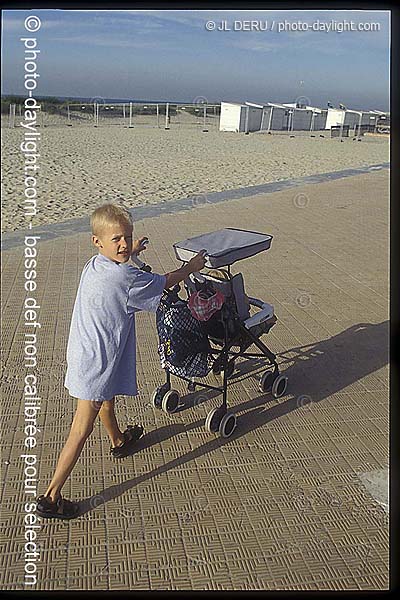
109,214
218,273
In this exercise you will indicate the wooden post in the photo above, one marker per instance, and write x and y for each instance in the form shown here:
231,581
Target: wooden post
11,117
167,116
270,118
204,118
130,115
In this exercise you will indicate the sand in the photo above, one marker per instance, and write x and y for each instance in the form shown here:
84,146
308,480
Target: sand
83,167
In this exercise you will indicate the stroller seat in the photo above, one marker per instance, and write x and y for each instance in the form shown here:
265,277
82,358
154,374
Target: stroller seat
236,298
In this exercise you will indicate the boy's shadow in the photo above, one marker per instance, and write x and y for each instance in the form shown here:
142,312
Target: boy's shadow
318,371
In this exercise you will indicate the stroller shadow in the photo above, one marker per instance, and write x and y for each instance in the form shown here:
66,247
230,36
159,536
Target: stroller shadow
327,367
245,368
319,371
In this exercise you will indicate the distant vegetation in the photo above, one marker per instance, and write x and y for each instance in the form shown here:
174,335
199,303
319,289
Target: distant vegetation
52,104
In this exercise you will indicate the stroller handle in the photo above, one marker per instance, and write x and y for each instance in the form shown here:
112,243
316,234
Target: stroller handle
139,263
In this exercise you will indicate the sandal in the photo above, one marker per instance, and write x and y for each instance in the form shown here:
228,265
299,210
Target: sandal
59,509
131,435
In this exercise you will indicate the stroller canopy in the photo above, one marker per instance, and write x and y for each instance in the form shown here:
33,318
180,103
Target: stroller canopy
223,247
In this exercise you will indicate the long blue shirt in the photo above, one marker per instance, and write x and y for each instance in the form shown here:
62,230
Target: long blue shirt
101,351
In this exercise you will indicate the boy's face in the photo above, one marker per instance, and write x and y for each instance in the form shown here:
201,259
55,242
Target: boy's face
115,242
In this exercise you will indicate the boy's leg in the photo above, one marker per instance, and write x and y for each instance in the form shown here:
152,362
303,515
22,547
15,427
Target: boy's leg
121,442
81,428
109,420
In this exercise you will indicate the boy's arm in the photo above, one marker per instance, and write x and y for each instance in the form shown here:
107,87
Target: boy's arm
195,264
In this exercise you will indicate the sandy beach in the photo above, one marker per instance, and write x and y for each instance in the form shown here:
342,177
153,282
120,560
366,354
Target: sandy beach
84,167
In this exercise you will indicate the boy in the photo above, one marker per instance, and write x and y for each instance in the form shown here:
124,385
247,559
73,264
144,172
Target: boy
101,347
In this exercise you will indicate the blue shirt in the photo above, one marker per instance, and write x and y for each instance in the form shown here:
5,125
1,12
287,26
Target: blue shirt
101,351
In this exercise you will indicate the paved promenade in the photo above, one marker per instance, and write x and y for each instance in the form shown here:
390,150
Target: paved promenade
296,499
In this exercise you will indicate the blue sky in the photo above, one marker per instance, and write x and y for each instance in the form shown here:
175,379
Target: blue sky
170,55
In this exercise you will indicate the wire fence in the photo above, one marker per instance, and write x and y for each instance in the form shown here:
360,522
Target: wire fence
123,114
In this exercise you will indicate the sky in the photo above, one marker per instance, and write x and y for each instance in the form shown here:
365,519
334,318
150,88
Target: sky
177,55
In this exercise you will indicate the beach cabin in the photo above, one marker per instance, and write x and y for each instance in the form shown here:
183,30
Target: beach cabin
361,121
240,117
274,117
319,119
271,116
299,118
353,119
335,117
306,118
370,120
382,124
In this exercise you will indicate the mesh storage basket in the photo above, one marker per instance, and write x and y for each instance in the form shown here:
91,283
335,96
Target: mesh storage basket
184,347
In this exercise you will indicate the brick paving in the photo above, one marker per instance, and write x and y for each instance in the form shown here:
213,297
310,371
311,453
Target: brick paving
278,506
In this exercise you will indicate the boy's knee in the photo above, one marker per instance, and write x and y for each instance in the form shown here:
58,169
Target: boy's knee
107,405
82,430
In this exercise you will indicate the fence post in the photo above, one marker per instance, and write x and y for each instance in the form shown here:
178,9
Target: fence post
167,116
204,118
130,115
158,116
11,117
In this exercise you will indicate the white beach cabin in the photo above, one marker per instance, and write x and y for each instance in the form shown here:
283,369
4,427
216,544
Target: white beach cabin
361,120
274,117
240,118
306,118
335,117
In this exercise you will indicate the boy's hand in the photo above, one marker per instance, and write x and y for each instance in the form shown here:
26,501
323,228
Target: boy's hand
139,245
197,262
194,264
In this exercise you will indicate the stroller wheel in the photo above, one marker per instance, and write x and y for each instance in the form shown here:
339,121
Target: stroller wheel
170,401
213,420
157,397
266,381
279,386
227,425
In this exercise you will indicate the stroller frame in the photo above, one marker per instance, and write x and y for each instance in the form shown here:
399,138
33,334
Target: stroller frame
220,420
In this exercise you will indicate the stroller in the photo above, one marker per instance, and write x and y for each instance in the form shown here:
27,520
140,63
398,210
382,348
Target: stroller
190,347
